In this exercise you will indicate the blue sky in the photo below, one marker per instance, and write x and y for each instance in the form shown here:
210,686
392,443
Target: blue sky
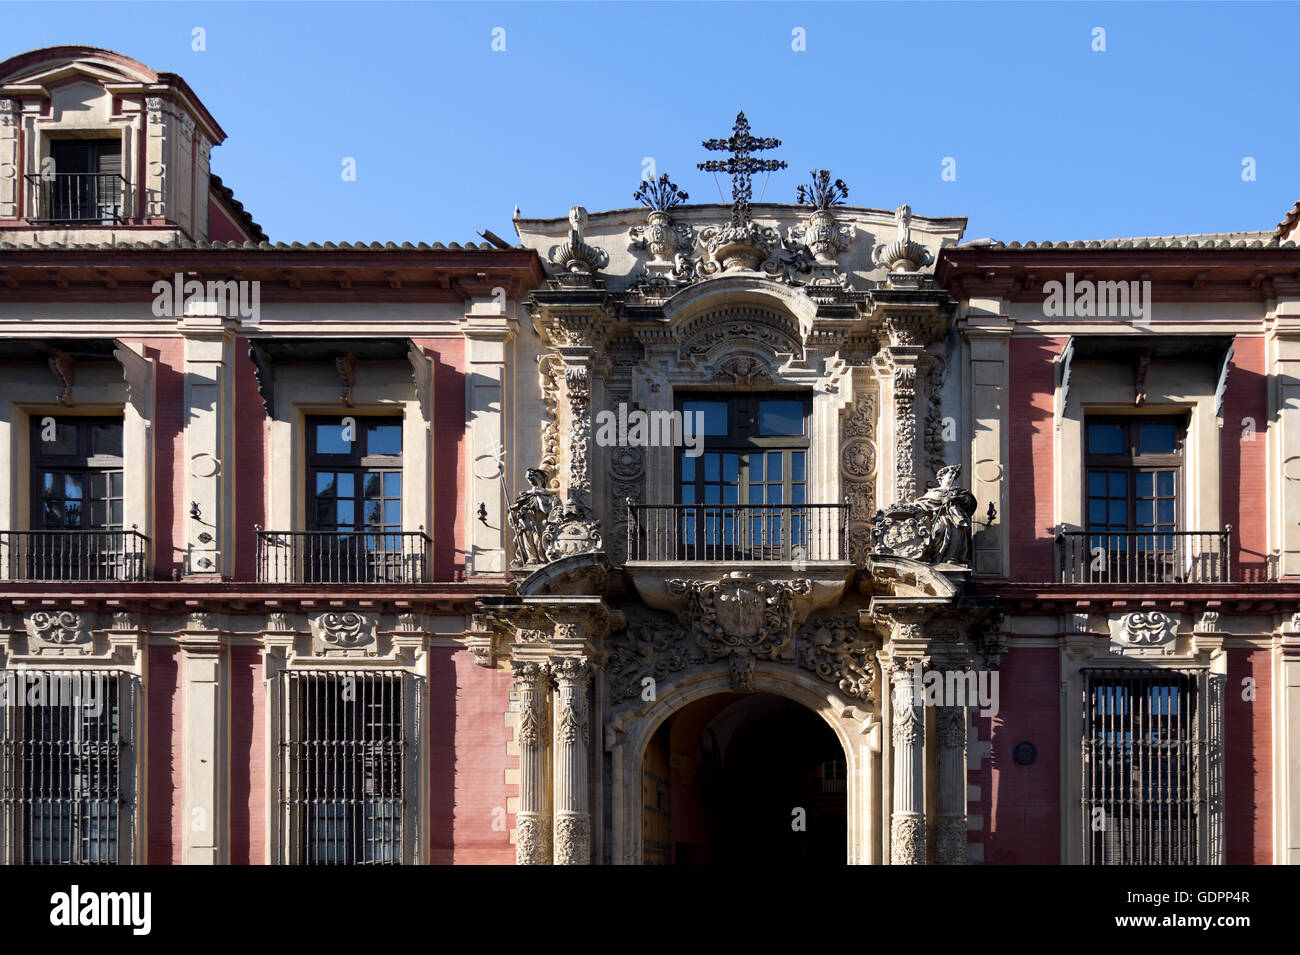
1051,139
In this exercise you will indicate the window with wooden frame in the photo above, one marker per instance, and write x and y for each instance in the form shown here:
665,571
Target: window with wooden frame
746,495
354,500
1133,486
76,505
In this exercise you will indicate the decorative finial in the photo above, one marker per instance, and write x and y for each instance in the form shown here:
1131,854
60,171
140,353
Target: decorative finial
821,193
659,195
741,166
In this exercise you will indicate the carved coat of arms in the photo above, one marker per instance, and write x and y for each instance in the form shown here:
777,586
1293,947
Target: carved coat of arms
741,612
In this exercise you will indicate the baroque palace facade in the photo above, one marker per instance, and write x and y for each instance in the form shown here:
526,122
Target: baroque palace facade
680,533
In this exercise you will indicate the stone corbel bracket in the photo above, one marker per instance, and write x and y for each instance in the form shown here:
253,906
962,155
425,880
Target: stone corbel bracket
535,627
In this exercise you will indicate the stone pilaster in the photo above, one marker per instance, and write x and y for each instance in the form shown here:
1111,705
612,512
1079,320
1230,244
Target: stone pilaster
204,721
533,821
950,839
210,429
572,732
907,822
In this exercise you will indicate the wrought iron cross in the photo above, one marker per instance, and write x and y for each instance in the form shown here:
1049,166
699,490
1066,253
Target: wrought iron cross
741,165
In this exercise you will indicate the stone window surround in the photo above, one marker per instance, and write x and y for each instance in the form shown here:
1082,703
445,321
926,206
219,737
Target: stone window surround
1174,387
309,389
99,390
279,657
38,148
1086,651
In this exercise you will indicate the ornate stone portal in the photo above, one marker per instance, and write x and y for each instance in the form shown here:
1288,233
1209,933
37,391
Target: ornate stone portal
608,637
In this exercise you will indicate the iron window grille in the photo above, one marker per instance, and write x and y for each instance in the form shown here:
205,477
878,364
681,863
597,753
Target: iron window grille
67,766
1151,767
347,767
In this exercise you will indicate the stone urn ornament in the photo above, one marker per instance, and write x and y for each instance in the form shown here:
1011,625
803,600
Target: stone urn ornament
821,231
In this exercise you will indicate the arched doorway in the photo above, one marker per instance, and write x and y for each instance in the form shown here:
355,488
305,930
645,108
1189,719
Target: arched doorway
736,779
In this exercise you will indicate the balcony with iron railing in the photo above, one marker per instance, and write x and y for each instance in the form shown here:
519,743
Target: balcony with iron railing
343,557
744,533
79,198
1144,557
72,556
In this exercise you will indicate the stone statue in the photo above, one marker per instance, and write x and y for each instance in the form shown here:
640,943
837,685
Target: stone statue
529,514
950,508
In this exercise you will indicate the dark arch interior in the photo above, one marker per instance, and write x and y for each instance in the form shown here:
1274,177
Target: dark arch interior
738,779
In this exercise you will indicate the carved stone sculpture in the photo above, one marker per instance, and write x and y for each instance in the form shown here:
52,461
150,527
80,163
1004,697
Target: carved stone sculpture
902,255
528,515
935,528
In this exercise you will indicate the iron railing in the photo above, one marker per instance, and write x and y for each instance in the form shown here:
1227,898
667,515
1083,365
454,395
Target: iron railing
70,556
1145,557
67,766
80,197
787,533
344,768
342,557
1144,760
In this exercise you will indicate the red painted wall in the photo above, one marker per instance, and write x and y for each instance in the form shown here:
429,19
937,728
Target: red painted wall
1248,760
221,227
1024,816
169,451
468,762
1243,459
163,764
251,455
248,769
1029,422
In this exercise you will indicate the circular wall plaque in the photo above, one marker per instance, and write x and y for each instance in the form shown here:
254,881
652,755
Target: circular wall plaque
1024,753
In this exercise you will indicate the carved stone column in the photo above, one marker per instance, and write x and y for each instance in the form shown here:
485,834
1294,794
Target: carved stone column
533,821
950,848
577,380
572,814
897,367
907,823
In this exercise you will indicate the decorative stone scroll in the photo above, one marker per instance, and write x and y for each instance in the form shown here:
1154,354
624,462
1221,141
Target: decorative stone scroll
1143,632
57,627
833,649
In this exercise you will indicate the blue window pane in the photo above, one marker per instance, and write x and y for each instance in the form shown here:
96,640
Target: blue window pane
1144,511
346,514
393,513
688,468
72,486
1165,512
796,466
1145,483
329,440
756,468
1096,511
1157,438
1105,439
780,416
1118,485
712,494
1165,483
325,484
347,485
688,493
370,483
1097,483
797,494
373,512
1118,512
730,467
383,439
714,417
711,467
774,494
730,493
774,465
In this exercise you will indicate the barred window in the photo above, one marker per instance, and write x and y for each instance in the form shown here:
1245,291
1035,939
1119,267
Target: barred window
1144,761
67,766
345,763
